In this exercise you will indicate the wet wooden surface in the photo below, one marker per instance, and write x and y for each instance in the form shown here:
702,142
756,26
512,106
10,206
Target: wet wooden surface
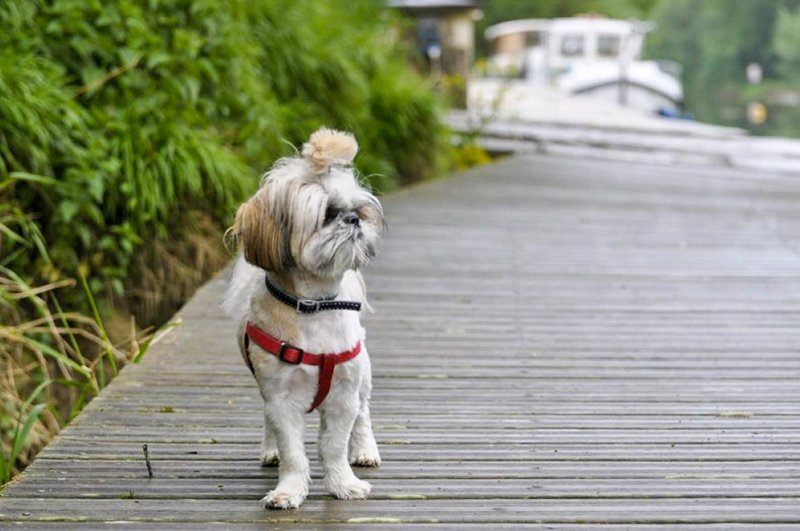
556,343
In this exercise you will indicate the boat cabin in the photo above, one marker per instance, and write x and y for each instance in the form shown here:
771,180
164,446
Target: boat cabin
587,55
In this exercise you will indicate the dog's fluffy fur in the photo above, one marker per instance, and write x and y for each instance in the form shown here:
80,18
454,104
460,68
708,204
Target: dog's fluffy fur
310,227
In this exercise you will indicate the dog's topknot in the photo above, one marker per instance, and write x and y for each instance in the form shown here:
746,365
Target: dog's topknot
328,147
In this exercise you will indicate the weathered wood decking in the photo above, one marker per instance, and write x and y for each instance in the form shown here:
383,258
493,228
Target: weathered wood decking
556,342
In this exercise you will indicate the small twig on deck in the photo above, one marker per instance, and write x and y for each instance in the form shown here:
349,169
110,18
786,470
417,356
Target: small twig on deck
147,461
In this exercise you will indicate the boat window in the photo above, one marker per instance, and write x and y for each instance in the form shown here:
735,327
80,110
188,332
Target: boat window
608,45
533,39
572,45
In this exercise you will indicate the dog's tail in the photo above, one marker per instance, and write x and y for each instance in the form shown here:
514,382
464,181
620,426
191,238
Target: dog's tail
328,147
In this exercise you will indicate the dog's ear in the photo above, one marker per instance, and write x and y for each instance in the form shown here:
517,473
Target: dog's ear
264,240
372,212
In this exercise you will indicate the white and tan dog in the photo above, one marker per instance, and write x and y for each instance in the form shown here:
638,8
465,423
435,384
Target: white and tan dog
306,234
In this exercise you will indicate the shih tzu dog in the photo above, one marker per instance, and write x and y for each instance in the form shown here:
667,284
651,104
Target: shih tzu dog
296,293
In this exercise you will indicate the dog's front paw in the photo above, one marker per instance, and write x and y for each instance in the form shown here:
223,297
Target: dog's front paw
353,489
366,459
282,499
270,458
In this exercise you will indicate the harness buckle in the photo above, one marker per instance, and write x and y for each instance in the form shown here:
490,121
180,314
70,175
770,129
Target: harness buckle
307,306
288,347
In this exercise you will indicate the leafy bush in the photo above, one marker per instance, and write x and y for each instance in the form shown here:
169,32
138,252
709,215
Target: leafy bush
131,129
135,113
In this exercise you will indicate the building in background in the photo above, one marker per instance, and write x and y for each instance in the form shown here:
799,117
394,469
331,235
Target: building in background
445,33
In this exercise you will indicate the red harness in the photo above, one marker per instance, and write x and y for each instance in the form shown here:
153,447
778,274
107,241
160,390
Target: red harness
288,353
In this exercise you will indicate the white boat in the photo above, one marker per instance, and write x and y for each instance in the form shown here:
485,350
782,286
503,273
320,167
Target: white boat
590,56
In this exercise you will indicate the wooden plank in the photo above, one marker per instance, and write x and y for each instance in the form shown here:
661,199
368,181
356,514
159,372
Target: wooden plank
401,449
541,437
378,525
322,510
444,469
438,488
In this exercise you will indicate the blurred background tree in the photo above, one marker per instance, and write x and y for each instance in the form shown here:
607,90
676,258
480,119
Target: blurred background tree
786,41
716,40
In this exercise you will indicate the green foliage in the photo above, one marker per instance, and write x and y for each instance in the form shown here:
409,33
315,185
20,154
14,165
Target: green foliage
140,110
38,340
786,43
497,10
715,40
21,429
468,155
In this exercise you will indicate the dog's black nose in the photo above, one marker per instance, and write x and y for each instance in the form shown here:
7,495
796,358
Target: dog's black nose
351,218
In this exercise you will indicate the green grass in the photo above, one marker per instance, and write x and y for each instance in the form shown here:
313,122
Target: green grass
27,416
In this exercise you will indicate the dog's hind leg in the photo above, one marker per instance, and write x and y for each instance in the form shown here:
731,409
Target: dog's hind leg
288,424
336,423
269,447
269,444
363,448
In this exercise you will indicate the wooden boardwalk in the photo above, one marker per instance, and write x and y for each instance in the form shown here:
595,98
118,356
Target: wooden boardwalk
558,343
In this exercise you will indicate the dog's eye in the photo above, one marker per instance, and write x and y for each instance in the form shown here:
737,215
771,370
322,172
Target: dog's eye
330,214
